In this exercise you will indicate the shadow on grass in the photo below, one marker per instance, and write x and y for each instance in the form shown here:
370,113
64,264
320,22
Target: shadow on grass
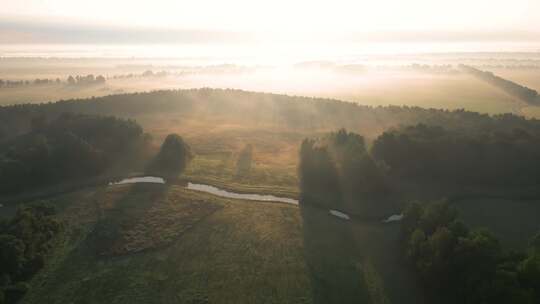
106,238
82,273
330,255
355,261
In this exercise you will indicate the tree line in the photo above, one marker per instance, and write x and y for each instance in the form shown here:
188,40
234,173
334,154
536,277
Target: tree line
71,146
524,93
77,80
338,170
296,113
19,83
481,158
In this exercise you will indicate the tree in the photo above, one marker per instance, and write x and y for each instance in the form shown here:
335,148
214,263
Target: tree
319,181
100,79
243,165
172,158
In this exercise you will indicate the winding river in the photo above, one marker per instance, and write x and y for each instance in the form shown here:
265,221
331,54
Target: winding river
243,196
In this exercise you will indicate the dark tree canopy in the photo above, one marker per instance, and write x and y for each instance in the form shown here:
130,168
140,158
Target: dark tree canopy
172,158
24,242
458,265
68,147
337,171
472,157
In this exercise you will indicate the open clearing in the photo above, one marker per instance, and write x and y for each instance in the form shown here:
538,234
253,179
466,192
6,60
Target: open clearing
152,243
223,251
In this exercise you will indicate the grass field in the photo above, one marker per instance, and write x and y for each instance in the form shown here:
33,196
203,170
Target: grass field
526,77
445,91
216,146
165,244
152,243
369,87
222,252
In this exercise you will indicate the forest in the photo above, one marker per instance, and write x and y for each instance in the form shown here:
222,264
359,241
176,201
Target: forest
339,168
68,147
488,157
25,241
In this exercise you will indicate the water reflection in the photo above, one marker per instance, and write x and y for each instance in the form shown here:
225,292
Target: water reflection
140,179
253,197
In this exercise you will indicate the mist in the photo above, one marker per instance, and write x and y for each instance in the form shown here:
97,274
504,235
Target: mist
280,151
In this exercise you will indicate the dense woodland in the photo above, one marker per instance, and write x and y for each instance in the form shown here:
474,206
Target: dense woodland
459,265
337,169
68,147
475,158
25,241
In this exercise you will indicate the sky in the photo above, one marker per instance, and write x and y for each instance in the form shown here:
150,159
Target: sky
247,21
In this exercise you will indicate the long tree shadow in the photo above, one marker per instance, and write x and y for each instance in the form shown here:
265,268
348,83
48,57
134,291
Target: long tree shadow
355,261
330,254
117,215
78,273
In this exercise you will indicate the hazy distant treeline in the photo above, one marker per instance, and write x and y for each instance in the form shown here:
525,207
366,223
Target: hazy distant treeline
147,73
524,93
77,80
85,80
19,83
